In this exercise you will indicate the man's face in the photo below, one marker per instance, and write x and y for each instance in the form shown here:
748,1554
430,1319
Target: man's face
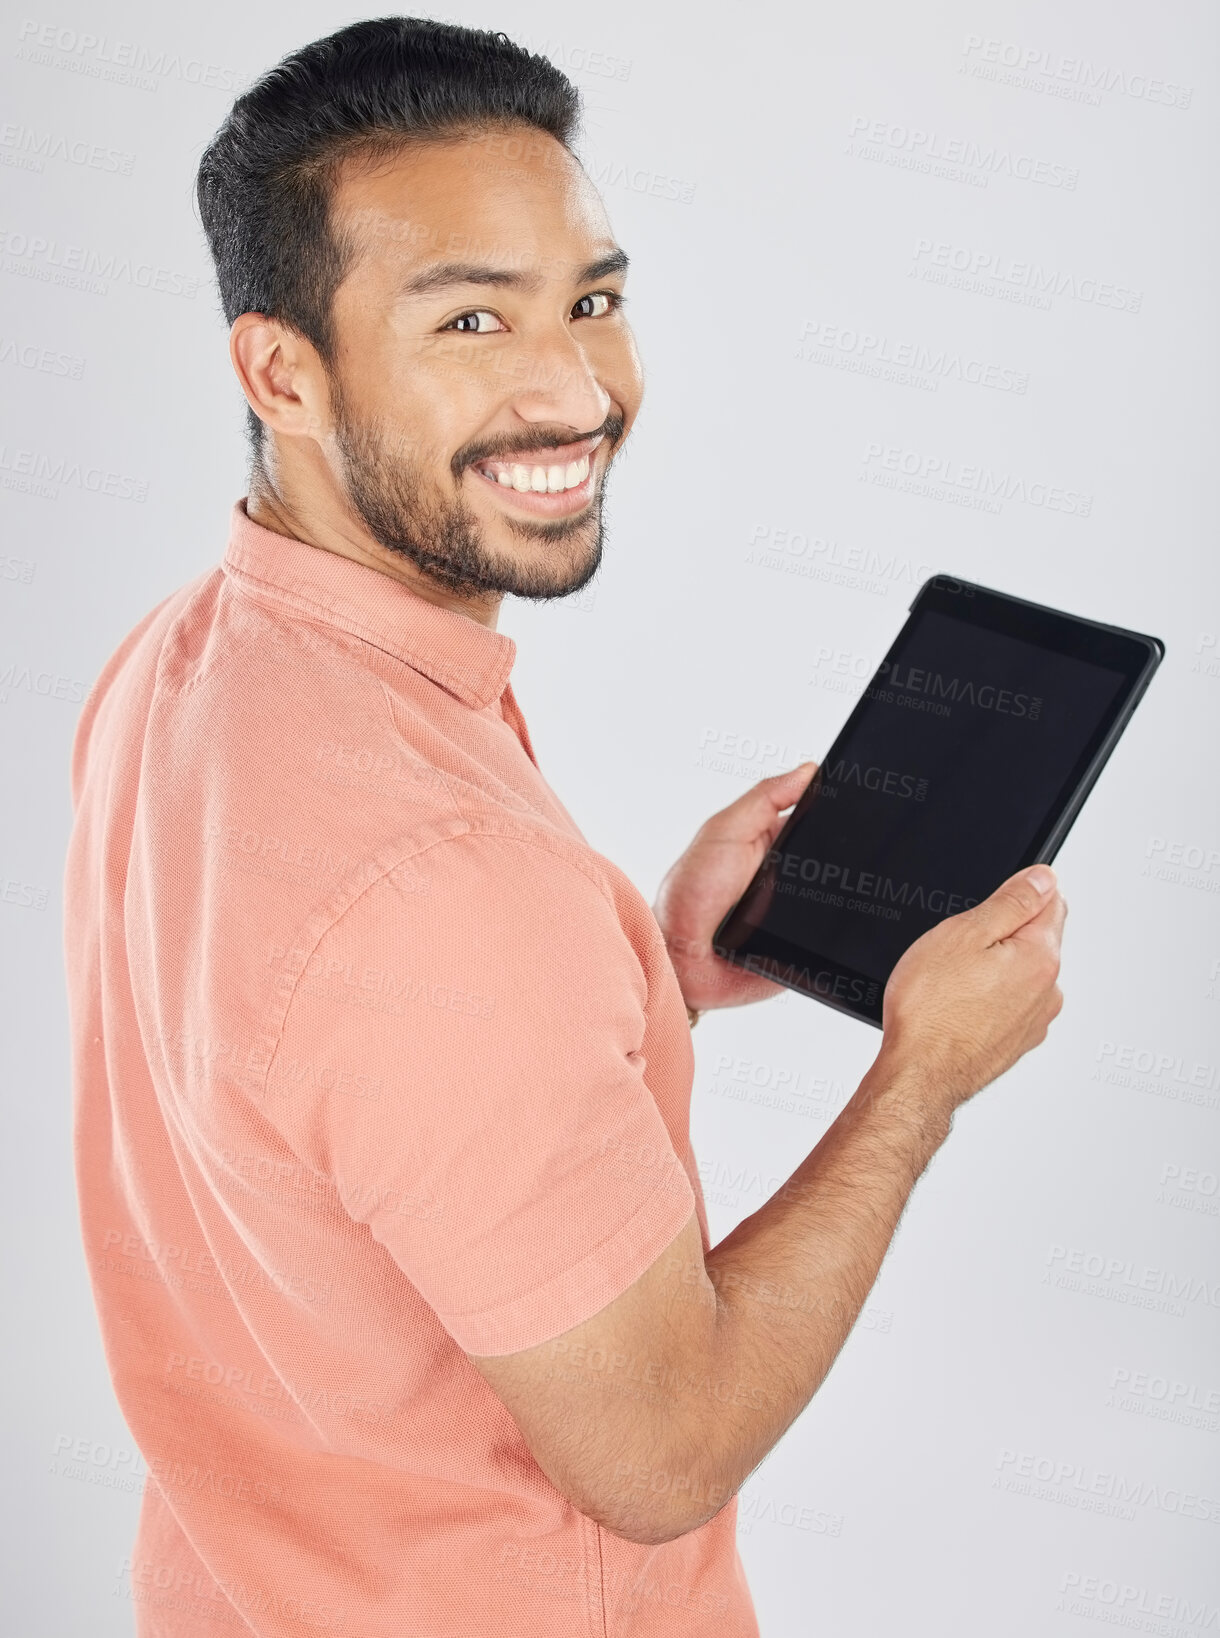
476,407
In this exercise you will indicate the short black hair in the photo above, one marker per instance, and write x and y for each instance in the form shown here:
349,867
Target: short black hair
265,180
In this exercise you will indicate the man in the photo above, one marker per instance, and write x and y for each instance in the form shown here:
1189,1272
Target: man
382,1074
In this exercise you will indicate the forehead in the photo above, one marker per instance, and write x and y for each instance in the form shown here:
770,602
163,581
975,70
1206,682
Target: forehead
509,196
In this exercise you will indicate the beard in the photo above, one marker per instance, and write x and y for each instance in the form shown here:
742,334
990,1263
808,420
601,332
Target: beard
405,512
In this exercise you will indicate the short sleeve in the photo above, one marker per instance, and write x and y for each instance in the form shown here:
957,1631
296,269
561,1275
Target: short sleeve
484,1105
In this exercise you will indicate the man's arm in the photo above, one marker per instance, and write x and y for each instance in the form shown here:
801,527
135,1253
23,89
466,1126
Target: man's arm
651,1414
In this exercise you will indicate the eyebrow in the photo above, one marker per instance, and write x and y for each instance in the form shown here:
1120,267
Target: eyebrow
443,275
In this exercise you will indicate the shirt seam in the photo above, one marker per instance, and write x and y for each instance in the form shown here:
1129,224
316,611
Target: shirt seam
601,1578
481,825
387,699
403,858
654,1208
558,846
413,658
166,688
483,828
397,729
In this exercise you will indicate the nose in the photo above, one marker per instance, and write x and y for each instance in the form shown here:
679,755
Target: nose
560,385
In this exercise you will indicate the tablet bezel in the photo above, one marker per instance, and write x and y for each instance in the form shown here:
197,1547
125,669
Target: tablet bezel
1134,654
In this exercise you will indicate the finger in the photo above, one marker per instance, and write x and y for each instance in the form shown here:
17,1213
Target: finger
774,828
1014,902
1046,926
753,813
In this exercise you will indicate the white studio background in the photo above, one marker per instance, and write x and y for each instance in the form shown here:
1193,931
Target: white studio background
876,249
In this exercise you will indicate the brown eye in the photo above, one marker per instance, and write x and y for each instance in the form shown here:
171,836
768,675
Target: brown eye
612,298
460,323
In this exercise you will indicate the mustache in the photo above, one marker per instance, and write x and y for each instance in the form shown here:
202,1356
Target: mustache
537,441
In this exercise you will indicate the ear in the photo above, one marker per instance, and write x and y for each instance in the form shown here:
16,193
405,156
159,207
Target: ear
281,375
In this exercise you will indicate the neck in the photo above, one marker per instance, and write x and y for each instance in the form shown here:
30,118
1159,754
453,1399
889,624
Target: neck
324,521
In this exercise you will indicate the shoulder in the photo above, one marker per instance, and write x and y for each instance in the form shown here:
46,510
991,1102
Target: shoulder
492,910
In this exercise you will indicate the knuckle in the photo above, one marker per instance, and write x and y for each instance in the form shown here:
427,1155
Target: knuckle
1021,896
1043,966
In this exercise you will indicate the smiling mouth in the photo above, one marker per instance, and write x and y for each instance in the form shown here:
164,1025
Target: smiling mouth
558,471
539,480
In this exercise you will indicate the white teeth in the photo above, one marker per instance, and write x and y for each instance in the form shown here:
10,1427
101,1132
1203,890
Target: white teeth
542,480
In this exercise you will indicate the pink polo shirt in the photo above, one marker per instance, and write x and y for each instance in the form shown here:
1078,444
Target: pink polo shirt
375,1061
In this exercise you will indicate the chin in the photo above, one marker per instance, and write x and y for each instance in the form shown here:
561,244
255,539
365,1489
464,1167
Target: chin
543,576
565,556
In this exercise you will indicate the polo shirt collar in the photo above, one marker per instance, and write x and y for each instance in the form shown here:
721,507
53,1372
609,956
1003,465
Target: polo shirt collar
464,657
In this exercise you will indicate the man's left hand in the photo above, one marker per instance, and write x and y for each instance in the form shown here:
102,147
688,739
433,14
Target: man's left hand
708,880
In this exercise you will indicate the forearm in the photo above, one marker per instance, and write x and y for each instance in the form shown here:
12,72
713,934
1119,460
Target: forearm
789,1281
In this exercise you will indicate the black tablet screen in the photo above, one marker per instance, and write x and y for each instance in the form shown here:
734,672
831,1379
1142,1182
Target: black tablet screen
933,794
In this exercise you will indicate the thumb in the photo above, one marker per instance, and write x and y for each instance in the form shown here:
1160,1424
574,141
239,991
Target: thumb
754,813
1013,903
787,786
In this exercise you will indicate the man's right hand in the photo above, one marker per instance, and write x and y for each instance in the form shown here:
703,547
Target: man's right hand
976,992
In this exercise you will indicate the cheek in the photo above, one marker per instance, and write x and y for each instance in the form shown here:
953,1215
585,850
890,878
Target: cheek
456,387
618,367
418,413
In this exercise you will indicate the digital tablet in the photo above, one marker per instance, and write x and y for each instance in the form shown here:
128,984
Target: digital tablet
968,757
